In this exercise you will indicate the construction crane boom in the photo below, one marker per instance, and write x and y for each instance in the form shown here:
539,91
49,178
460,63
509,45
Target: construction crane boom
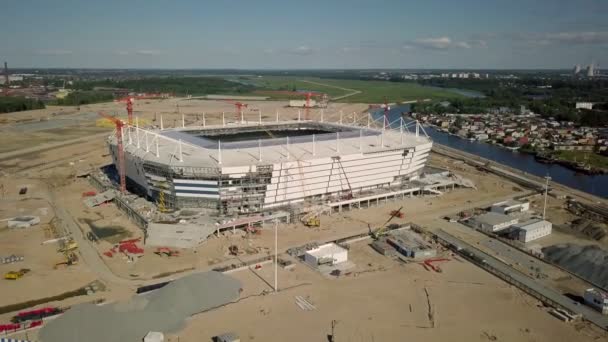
239,109
121,152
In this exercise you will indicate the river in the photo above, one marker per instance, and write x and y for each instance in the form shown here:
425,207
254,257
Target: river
596,185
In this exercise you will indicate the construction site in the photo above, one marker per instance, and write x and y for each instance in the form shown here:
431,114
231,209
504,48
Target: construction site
302,221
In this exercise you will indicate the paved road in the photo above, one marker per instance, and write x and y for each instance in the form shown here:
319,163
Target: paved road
352,91
591,315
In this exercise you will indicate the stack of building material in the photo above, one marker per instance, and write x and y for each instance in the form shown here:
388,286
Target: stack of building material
23,221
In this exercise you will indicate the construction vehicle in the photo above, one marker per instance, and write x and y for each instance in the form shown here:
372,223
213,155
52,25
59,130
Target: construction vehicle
313,217
160,251
397,213
14,275
70,259
69,246
429,264
312,221
234,250
382,230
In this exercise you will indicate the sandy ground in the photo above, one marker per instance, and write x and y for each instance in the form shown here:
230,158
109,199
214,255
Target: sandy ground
43,280
371,306
384,301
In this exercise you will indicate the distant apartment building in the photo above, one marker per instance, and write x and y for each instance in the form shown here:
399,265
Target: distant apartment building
571,147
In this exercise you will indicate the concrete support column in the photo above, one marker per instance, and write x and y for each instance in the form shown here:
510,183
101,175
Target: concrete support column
181,157
157,149
223,119
219,152
137,131
204,121
147,144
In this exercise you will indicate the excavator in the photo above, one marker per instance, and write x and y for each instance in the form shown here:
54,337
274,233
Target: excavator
14,275
70,259
382,230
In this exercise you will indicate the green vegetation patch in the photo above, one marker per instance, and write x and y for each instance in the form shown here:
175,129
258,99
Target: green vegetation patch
179,86
370,91
593,159
10,104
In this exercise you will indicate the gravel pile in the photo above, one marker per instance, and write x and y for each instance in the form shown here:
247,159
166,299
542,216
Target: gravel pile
163,310
589,262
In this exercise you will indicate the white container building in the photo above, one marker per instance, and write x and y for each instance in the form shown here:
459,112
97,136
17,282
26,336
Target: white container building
533,229
493,222
510,206
328,254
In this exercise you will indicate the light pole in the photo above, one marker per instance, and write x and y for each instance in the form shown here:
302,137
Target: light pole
276,252
547,179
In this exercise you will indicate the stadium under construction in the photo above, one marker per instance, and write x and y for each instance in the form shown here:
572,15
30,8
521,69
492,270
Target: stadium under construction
251,167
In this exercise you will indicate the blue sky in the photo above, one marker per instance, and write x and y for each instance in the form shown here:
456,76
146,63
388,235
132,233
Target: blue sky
304,34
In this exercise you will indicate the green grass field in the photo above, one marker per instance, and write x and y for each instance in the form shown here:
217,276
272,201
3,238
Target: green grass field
370,91
593,159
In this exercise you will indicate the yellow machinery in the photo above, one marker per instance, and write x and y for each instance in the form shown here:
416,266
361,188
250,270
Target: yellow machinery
312,221
14,275
69,246
70,259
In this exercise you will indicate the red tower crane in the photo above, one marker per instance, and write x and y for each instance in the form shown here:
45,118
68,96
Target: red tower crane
131,99
121,152
239,108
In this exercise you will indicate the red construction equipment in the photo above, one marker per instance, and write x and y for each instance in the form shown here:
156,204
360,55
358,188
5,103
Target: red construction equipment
130,100
4,328
121,152
397,213
239,109
160,251
36,314
428,263
89,193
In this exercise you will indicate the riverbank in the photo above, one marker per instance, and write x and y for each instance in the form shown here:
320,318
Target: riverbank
534,182
587,163
596,185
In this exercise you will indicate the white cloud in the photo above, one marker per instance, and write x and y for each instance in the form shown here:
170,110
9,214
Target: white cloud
122,52
54,52
303,50
148,52
561,38
438,43
578,37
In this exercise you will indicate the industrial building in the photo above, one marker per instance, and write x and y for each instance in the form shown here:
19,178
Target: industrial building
510,206
492,222
533,229
328,254
250,167
597,300
411,245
